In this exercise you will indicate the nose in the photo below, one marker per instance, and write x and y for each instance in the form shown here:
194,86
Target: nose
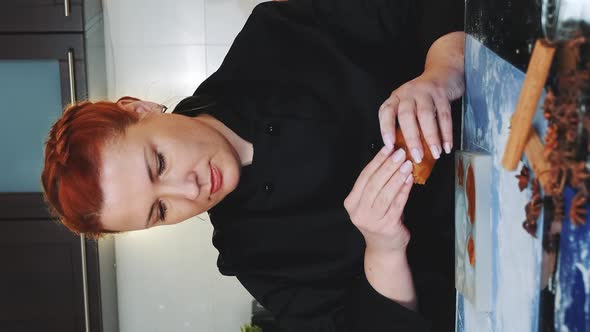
186,188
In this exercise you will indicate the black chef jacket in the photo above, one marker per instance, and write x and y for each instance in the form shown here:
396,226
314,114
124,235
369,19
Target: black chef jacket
303,82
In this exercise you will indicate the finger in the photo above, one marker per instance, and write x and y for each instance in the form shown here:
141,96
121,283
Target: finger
363,178
391,189
387,113
445,121
399,202
380,178
427,118
406,116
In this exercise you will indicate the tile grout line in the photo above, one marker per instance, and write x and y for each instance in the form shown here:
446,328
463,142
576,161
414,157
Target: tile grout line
206,39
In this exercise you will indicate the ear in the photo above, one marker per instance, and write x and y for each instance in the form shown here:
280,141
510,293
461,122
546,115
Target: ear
138,106
126,104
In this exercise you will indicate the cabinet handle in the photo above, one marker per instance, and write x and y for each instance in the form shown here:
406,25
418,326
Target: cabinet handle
67,7
72,74
85,283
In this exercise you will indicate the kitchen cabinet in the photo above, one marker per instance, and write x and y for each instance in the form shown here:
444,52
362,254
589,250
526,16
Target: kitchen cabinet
67,50
42,282
41,16
50,279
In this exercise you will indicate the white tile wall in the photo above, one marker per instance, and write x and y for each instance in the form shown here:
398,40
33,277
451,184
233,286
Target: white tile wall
158,72
156,22
167,278
225,19
167,281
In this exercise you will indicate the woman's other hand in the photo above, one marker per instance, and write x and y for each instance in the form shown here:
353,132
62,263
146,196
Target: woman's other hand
422,105
375,206
377,200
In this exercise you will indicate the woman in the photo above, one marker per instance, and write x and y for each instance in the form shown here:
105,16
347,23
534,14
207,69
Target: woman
282,146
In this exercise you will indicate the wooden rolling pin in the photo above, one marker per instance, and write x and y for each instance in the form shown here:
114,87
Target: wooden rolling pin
532,88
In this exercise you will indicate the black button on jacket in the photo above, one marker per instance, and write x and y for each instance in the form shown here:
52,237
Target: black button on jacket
303,82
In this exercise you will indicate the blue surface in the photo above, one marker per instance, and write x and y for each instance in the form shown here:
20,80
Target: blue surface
573,276
492,91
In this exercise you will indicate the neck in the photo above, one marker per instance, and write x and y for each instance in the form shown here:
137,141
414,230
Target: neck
244,148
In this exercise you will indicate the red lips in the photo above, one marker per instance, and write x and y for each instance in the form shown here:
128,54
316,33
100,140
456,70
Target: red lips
216,180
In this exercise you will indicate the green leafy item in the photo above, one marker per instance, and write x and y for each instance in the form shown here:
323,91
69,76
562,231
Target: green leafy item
250,328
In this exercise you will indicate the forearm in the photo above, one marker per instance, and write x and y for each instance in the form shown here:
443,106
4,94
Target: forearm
445,63
389,274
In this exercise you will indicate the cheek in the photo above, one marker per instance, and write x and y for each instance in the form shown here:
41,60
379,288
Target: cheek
186,210
196,146
233,176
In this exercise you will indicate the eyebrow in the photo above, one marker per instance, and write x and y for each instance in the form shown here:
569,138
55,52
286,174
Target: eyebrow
149,171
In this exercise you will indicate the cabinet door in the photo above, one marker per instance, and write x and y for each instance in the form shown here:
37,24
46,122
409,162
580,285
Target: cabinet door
41,283
66,49
41,16
43,266
39,75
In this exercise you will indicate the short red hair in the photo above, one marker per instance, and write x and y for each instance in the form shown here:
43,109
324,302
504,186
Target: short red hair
71,174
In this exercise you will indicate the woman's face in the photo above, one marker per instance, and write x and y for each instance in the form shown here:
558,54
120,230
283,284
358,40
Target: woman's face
164,170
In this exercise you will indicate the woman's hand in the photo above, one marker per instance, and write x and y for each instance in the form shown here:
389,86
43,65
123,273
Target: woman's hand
377,200
422,106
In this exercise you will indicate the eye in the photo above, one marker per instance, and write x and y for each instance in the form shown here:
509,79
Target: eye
161,163
162,209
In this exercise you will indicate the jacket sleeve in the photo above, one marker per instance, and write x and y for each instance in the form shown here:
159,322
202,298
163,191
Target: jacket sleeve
436,18
331,307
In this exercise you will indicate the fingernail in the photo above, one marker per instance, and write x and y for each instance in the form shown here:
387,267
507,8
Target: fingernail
409,179
406,167
447,147
399,155
416,156
385,151
434,151
388,141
